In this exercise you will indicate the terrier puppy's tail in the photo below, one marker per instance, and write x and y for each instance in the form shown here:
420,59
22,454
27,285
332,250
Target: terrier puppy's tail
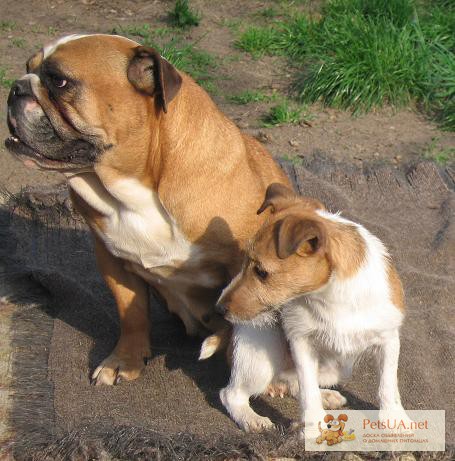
214,343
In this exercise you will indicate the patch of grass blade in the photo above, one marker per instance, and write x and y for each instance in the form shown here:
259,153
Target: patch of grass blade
247,96
282,114
258,41
396,12
438,87
362,54
379,52
183,16
440,155
7,26
5,82
445,156
293,159
19,42
367,64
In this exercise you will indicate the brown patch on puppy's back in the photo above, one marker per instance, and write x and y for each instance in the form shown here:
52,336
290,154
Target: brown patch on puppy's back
346,249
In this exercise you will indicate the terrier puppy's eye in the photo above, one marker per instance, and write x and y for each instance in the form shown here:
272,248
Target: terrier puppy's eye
261,273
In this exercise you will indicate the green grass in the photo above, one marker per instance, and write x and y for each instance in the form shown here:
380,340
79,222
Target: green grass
7,26
247,96
5,82
282,114
445,156
258,40
184,55
296,160
183,16
52,31
19,42
440,155
36,29
362,54
370,64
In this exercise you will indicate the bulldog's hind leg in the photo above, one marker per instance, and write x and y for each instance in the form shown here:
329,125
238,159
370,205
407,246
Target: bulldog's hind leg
131,295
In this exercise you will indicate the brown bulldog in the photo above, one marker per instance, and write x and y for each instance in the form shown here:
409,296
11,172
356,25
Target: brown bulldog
168,185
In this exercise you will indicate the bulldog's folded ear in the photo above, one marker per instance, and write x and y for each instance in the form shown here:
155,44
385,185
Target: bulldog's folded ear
150,73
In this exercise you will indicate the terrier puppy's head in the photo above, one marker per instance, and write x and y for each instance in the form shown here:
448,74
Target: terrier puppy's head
288,257
294,253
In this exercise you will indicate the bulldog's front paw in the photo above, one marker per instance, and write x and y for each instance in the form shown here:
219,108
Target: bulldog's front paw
122,364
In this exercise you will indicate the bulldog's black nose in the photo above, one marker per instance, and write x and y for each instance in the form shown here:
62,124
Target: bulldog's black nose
221,308
21,88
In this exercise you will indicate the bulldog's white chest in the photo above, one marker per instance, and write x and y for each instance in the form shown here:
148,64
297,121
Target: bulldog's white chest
136,227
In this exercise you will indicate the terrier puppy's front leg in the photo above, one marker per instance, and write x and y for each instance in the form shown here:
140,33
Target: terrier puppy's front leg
306,363
389,394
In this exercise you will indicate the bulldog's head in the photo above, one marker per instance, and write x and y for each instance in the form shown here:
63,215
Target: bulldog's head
85,96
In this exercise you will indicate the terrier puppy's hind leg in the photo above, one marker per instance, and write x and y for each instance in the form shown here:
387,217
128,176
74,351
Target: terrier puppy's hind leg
257,358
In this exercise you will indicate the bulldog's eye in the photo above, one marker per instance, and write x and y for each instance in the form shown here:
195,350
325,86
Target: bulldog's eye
59,82
261,273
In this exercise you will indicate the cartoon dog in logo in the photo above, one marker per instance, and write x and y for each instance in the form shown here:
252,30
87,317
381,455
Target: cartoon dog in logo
334,432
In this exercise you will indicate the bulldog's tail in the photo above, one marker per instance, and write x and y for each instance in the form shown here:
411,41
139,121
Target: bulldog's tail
214,343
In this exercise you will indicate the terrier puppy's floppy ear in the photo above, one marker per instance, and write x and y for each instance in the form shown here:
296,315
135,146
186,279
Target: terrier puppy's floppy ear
298,235
342,417
277,197
328,418
150,73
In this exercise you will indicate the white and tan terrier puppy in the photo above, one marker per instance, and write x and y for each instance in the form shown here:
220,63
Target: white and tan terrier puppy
322,286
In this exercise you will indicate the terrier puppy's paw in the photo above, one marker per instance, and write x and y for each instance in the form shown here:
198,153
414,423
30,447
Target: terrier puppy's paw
256,423
332,400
